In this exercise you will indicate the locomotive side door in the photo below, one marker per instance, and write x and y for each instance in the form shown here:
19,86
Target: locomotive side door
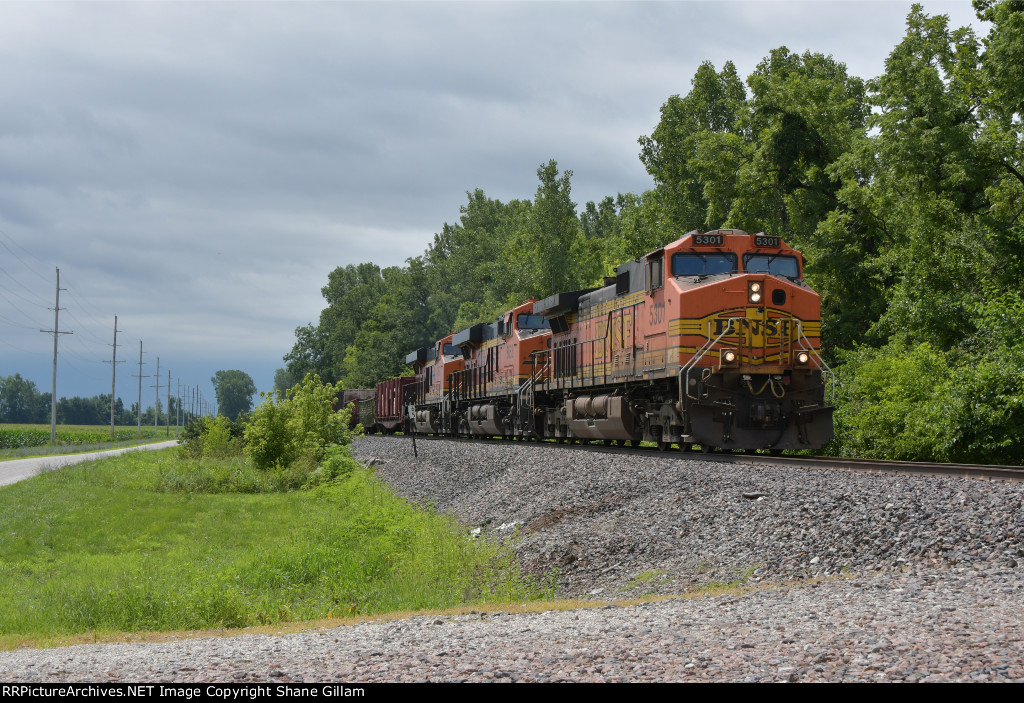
507,356
653,321
621,341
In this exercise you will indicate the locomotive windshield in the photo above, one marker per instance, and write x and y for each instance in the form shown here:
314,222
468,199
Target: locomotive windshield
700,264
526,321
774,264
452,350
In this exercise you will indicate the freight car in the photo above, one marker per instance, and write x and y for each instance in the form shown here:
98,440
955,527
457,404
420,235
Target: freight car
361,400
712,340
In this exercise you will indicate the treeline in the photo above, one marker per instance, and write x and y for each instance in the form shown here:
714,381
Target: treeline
905,192
22,403
496,256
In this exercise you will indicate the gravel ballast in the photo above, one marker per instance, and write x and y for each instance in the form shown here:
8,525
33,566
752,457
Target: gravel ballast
832,576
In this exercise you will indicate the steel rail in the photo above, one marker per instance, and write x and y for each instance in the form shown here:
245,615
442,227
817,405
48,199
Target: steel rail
978,471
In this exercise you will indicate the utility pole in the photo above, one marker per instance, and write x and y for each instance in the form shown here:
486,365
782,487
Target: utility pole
156,401
113,377
138,409
53,390
177,413
168,415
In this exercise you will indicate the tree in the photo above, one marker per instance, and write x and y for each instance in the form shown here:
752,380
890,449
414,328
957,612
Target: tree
284,379
235,390
20,401
697,148
1002,139
547,252
351,293
398,323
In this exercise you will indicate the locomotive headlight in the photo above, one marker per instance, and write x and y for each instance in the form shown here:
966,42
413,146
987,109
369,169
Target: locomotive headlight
754,292
803,358
730,357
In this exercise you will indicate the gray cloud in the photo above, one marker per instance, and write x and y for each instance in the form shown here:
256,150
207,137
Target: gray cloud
198,168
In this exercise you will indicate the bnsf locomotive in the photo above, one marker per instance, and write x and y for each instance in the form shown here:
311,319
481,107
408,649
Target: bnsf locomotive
712,340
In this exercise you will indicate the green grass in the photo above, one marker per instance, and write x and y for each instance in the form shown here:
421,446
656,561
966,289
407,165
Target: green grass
110,546
20,441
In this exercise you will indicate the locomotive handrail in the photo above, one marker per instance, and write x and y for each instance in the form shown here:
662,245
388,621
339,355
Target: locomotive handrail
829,374
804,344
580,373
698,355
529,385
536,374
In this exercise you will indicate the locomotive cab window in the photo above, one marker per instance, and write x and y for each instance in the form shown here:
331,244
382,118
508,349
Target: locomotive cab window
700,264
526,321
452,350
773,264
655,274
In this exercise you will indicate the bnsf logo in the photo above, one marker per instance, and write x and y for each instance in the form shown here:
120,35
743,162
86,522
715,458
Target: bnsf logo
756,328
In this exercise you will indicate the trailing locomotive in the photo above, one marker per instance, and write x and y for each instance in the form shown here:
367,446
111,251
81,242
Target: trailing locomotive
711,340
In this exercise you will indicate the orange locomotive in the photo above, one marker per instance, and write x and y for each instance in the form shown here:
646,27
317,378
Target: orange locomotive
503,359
712,340
434,367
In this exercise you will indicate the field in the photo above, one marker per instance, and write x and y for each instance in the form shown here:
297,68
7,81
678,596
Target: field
119,546
17,441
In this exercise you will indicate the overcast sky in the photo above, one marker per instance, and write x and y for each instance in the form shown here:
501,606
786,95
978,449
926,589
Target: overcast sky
197,169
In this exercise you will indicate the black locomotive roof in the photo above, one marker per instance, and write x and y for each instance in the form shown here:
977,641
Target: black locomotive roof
418,356
476,334
560,303
629,279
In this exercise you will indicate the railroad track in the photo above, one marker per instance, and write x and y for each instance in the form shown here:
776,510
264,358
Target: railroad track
978,471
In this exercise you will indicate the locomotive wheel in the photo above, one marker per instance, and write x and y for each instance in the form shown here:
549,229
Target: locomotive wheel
685,446
664,446
707,448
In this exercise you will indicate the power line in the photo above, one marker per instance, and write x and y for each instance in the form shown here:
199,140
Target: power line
12,323
42,301
86,308
9,237
27,351
13,305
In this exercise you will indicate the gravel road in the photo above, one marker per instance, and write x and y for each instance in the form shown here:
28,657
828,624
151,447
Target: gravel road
14,470
844,577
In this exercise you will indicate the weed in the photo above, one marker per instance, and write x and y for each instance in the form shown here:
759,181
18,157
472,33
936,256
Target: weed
162,541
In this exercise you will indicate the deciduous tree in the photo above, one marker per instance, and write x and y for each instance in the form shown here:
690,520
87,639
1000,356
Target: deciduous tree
234,390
